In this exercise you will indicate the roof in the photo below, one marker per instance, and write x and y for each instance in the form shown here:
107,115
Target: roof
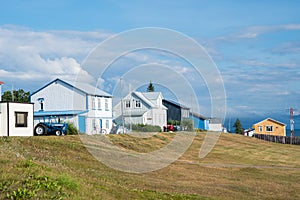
198,115
134,112
215,121
176,104
83,87
151,95
58,113
270,119
1,83
143,98
149,98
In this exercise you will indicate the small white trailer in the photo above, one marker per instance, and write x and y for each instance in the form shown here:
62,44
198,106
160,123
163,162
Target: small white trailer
16,119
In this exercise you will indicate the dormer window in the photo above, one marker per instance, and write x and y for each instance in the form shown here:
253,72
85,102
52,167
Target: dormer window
127,104
137,103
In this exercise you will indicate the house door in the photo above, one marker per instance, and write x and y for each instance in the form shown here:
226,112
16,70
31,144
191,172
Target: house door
100,123
81,122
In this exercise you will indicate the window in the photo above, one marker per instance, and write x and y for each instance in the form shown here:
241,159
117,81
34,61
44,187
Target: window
21,119
260,128
106,104
99,104
269,128
94,124
127,104
138,103
41,101
93,103
107,124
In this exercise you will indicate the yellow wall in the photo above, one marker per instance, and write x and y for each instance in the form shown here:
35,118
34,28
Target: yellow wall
278,129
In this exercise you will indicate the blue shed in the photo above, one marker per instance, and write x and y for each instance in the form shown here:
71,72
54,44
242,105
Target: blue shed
200,122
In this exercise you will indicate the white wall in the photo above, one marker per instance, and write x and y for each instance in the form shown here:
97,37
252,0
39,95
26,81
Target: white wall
57,97
215,127
96,113
8,119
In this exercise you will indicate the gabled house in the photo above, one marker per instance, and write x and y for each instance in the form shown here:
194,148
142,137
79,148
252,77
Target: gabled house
141,108
176,111
89,108
270,127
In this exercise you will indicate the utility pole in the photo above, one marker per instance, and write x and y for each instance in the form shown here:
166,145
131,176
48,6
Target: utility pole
292,125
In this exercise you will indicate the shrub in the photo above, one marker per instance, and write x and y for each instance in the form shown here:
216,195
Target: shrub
187,124
72,130
145,128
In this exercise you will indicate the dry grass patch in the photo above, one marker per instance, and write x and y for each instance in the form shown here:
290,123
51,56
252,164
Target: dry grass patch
237,168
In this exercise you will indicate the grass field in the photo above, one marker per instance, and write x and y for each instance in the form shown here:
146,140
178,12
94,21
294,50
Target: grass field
61,168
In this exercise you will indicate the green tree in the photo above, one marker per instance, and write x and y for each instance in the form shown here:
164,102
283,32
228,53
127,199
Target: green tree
187,124
150,87
18,96
238,127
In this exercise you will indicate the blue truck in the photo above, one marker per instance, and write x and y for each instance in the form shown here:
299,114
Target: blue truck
51,126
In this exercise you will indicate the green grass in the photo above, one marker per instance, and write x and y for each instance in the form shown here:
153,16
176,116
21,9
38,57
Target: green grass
62,168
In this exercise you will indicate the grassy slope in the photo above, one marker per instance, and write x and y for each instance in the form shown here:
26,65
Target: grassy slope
237,168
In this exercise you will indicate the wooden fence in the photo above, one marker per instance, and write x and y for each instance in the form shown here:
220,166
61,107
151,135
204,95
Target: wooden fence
279,139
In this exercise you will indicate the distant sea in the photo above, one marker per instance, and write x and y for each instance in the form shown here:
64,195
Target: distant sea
297,132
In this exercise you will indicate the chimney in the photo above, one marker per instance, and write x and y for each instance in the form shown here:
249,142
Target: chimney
1,83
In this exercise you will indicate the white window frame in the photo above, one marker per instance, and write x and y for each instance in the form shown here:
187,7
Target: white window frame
127,104
138,104
93,103
106,105
107,124
99,103
260,128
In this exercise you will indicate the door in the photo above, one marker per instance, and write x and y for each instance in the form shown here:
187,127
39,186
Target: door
81,122
100,123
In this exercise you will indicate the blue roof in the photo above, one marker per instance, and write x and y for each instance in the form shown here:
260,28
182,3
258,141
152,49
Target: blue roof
58,113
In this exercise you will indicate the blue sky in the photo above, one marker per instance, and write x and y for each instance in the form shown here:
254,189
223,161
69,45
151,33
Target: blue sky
255,45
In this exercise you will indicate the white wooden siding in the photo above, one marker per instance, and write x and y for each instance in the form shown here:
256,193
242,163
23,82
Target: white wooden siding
58,98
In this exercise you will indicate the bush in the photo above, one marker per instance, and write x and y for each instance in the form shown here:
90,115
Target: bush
145,128
72,130
187,124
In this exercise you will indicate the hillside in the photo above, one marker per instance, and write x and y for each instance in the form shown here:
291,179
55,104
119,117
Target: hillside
61,167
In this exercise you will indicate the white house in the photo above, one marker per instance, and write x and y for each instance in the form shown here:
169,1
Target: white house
89,108
141,108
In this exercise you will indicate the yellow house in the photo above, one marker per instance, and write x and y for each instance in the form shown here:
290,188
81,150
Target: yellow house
270,127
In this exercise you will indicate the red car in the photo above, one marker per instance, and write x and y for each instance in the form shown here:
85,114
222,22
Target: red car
168,128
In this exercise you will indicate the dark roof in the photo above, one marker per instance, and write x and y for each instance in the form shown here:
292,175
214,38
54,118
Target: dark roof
198,115
215,121
175,104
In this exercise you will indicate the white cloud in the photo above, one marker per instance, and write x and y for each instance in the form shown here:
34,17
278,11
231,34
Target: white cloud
26,54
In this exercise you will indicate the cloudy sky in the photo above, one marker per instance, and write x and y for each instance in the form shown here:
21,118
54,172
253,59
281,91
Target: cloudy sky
254,44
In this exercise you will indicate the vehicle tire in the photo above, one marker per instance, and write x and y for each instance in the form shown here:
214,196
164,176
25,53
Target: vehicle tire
57,133
103,131
40,129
